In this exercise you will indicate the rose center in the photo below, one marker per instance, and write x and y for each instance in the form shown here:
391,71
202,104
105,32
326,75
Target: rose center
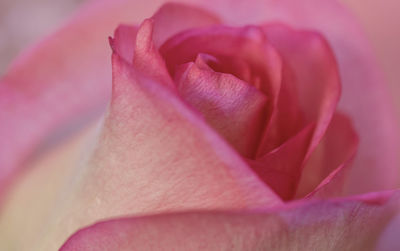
227,74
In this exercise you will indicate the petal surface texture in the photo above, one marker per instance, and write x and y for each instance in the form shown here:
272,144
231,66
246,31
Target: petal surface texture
32,115
64,82
317,225
153,154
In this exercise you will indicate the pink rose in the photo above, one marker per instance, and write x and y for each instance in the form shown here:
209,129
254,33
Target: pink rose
230,125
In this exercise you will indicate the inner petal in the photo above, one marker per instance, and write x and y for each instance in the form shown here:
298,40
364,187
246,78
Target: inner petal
243,52
234,108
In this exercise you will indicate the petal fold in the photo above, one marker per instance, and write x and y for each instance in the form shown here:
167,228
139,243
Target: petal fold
351,224
234,108
326,171
247,44
154,154
311,83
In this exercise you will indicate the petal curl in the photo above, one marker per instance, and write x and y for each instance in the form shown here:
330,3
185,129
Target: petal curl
351,224
234,108
281,168
310,82
248,44
326,171
307,99
124,41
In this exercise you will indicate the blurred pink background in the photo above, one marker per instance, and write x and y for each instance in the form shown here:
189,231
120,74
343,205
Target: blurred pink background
22,22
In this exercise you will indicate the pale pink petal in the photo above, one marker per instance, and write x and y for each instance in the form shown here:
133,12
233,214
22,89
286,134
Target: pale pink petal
154,154
351,224
146,57
327,169
176,148
23,99
57,86
60,84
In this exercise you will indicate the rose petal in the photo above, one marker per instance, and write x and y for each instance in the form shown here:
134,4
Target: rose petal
60,84
153,155
98,19
310,77
234,108
135,101
124,41
281,168
173,18
329,164
388,240
247,44
364,95
351,224
146,57
72,66
308,96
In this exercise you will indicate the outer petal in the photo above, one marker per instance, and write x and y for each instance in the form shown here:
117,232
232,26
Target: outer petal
126,37
22,88
351,224
59,84
153,155
380,21
64,82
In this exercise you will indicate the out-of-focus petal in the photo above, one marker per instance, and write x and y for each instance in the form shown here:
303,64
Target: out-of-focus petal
389,239
63,82
318,225
173,18
328,167
60,84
